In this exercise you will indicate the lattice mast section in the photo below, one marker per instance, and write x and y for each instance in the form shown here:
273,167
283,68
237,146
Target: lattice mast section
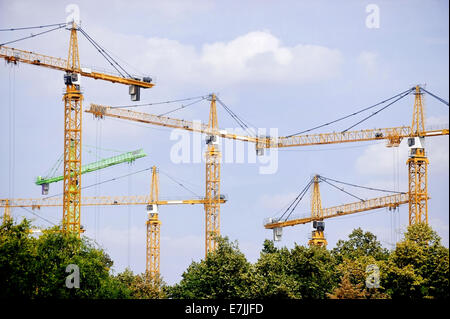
153,229
72,140
317,235
418,165
212,204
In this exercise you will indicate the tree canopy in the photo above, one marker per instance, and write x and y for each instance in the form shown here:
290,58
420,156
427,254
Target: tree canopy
418,267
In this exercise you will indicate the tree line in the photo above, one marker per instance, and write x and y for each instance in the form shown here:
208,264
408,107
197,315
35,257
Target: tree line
357,268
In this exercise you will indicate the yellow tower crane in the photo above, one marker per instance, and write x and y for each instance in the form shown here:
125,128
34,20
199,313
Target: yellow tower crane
318,214
151,201
417,162
318,237
418,165
152,265
212,194
73,98
213,198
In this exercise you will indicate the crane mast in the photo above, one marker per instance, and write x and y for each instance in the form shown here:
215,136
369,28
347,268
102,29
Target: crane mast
212,196
418,165
153,229
317,236
72,140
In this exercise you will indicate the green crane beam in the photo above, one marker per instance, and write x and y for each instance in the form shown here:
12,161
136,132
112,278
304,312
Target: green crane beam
122,158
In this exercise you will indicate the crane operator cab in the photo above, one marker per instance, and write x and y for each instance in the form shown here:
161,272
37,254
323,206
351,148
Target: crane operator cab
152,210
72,79
416,146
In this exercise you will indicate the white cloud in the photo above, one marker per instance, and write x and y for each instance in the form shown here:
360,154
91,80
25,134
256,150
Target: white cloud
436,122
377,159
260,57
255,57
276,201
368,61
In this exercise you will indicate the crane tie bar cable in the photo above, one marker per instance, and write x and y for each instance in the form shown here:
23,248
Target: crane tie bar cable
365,187
342,190
352,114
436,97
33,35
107,57
238,120
158,103
31,212
180,184
36,27
182,107
374,113
296,201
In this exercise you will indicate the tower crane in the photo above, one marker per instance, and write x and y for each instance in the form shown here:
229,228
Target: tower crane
73,98
318,214
213,197
151,201
127,157
416,133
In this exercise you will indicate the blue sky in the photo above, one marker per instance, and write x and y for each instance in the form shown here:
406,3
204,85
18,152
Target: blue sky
288,65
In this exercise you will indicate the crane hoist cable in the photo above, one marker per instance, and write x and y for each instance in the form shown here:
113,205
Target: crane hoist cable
352,114
33,35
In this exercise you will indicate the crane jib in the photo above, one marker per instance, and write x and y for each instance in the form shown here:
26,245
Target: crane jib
12,55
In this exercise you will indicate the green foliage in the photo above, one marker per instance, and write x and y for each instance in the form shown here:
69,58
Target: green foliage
298,273
225,273
359,244
36,267
347,290
279,273
17,260
419,266
354,270
140,286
